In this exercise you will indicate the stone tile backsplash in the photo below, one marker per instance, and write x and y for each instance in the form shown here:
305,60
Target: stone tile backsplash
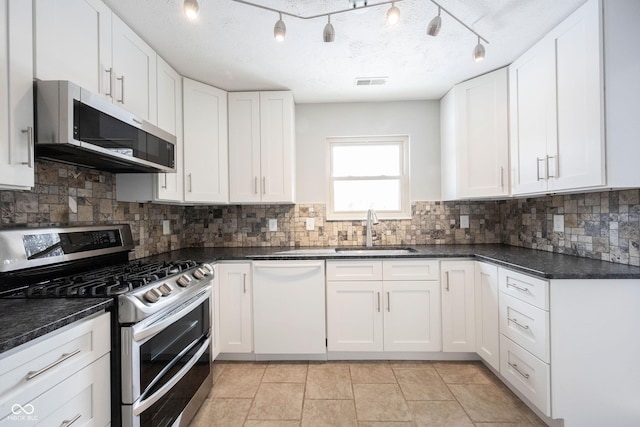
602,225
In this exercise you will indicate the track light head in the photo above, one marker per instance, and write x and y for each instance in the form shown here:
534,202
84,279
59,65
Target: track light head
329,34
478,51
279,30
191,8
434,26
393,15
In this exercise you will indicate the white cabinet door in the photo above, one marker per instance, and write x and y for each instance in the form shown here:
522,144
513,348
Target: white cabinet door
277,156
354,316
289,307
134,67
245,179
482,135
411,316
16,95
458,302
532,117
205,143
73,42
487,327
215,315
577,160
236,335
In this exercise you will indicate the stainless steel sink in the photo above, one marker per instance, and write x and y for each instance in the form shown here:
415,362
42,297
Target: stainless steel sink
375,251
309,252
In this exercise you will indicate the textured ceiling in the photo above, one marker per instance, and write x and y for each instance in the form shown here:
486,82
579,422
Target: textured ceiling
231,45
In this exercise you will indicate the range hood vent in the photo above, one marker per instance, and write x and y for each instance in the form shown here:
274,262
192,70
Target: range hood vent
371,81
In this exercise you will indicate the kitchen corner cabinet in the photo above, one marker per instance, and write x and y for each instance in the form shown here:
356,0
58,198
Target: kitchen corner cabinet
84,42
261,147
67,377
475,138
458,306
390,305
559,141
163,187
16,95
236,324
206,178
487,326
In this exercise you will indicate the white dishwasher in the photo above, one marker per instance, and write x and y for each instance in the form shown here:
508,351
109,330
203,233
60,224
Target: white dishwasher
289,309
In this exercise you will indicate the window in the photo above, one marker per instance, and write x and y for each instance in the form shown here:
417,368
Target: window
368,173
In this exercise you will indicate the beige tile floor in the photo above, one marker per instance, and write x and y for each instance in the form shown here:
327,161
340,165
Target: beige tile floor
388,393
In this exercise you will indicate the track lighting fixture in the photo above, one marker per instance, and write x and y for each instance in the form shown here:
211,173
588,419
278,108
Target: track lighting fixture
478,51
329,34
279,30
393,15
434,26
191,8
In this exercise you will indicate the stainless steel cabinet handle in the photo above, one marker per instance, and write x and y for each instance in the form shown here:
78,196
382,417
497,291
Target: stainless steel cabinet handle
264,185
511,285
518,323
29,132
515,367
446,283
32,374
121,100
555,171
67,423
165,181
244,283
255,185
502,177
388,301
538,160
110,71
190,188
378,301
137,121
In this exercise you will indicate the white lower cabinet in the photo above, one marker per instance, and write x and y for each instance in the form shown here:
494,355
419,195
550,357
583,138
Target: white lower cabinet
215,314
458,306
487,326
60,378
376,314
236,325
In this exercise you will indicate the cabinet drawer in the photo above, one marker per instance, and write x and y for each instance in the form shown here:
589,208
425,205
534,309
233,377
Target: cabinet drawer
527,373
84,397
354,270
526,325
410,269
530,289
52,358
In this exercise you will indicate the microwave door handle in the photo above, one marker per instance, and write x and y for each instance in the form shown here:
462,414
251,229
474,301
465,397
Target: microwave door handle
141,406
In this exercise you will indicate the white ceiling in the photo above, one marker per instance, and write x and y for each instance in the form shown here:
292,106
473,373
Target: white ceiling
231,45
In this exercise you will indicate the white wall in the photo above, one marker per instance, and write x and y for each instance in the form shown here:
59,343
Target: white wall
418,119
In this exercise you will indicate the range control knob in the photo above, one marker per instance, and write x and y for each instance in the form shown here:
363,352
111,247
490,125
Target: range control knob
164,289
184,280
208,270
199,273
152,295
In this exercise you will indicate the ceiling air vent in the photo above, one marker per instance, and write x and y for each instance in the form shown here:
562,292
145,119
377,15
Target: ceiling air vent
371,81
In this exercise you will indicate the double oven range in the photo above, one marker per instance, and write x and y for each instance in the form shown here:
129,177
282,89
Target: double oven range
161,316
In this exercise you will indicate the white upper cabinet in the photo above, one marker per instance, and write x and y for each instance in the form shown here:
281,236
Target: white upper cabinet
261,147
475,138
84,42
205,143
557,103
16,95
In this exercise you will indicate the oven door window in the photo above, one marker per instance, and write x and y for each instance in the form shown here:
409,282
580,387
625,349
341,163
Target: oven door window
165,352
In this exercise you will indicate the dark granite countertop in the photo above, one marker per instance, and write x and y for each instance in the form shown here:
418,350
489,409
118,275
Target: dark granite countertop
23,320
543,264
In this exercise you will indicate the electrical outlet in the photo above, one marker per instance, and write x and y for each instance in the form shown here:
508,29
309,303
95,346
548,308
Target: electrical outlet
166,227
311,224
558,223
273,224
464,221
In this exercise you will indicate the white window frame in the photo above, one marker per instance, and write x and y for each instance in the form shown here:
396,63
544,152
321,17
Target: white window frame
405,181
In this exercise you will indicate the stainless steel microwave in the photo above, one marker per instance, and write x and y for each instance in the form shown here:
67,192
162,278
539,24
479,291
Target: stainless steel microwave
76,126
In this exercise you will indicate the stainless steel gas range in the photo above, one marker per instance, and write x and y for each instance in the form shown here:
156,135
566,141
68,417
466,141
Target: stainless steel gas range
161,331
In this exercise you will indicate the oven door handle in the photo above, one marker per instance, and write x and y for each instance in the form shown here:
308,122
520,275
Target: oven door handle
150,328
141,406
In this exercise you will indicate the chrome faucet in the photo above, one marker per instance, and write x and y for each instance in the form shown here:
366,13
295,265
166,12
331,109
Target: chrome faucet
372,218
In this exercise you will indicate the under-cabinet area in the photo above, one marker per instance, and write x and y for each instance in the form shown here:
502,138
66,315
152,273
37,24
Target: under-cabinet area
527,330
